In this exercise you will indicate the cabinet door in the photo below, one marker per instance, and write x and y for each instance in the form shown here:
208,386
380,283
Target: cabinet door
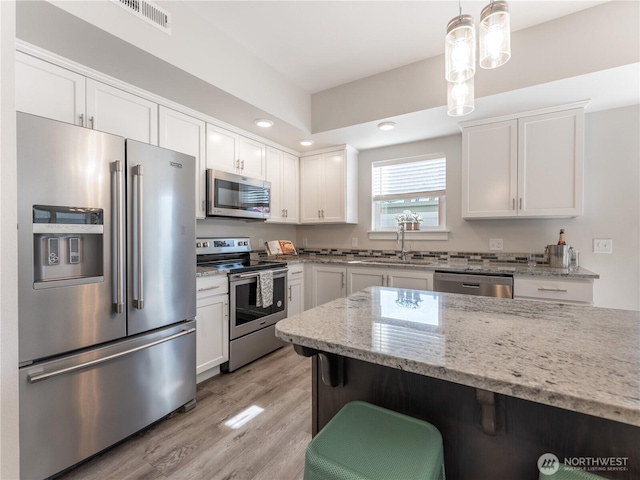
251,156
221,149
296,297
310,188
290,181
274,169
550,163
212,332
361,278
334,183
186,134
490,170
329,283
121,113
49,91
409,279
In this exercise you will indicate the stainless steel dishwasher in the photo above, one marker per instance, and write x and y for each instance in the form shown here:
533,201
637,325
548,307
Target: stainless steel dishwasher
474,284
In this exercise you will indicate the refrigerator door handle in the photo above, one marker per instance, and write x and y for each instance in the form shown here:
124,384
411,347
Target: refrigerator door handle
38,377
118,244
138,301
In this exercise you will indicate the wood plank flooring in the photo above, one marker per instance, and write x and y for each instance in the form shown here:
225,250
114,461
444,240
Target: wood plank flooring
197,445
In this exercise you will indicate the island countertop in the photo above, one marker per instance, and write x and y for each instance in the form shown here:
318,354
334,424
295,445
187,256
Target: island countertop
584,359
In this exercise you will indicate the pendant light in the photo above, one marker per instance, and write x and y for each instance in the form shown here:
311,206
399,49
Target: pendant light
460,98
495,35
460,48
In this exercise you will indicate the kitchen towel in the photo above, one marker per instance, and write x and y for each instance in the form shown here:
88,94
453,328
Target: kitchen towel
264,290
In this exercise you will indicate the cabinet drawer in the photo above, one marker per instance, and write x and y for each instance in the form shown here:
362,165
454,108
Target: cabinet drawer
571,291
295,272
209,286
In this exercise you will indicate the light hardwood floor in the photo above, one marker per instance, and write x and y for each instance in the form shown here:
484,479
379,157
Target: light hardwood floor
197,444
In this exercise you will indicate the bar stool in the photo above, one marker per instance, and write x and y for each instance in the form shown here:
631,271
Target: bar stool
367,442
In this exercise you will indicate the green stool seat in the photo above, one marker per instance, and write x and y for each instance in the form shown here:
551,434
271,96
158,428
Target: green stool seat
367,442
569,473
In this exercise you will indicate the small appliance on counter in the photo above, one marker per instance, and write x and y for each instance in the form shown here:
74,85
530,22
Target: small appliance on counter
251,324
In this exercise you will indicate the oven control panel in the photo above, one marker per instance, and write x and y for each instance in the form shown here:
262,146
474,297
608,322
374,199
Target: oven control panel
206,246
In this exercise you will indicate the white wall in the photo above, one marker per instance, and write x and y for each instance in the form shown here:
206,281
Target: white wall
612,208
197,48
9,432
256,230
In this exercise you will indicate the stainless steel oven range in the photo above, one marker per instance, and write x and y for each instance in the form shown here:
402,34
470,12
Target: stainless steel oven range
251,327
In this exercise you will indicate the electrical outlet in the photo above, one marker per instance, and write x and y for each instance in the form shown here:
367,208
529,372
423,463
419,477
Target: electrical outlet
304,242
602,245
495,244
354,241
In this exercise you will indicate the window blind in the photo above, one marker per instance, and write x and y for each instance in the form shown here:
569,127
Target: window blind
424,178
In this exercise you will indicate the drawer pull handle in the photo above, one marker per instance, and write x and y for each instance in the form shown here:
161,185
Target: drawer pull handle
552,290
208,288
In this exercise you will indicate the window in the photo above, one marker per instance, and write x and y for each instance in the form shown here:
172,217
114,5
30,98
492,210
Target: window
417,184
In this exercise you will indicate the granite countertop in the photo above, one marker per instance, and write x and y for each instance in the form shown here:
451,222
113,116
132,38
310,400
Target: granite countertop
515,269
579,358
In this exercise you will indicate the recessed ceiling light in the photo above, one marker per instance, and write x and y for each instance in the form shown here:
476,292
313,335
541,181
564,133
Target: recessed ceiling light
306,143
264,123
386,126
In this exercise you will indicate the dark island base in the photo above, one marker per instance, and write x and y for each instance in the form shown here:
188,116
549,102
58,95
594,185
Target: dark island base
522,430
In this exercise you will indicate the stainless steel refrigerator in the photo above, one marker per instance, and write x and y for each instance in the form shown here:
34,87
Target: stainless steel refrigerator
107,294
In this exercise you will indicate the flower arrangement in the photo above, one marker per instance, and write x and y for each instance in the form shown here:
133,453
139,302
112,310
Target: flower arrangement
408,217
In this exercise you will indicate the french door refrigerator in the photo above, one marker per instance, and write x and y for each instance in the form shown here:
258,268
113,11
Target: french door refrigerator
107,300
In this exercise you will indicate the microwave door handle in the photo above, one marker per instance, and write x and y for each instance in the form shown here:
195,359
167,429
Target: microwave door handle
138,301
117,249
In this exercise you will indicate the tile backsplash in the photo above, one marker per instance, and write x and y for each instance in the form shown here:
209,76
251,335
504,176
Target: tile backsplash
450,257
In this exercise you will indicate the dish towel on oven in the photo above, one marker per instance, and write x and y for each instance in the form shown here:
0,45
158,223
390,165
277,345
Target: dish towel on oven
264,290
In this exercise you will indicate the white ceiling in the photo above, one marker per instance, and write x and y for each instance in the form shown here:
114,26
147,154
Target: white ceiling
323,44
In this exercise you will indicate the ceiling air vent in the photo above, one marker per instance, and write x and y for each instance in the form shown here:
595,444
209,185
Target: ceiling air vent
149,12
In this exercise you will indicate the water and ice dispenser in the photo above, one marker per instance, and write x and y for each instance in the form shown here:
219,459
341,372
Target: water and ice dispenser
67,246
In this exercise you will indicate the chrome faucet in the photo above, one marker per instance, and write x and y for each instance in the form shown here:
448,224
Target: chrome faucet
400,238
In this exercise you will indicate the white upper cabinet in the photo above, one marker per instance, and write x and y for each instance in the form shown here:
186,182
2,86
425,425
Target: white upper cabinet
115,111
54,92
282,171
525,167
329,187
233,153
186,134
49,91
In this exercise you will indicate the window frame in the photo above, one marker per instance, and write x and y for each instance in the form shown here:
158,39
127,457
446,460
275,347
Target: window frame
439,232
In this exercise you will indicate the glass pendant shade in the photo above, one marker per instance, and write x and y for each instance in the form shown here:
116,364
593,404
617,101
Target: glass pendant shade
460,99
495,35
460,49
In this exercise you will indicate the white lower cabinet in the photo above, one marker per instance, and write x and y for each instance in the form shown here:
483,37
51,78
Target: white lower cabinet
328,282
579,290
212,325
410,279
359,278
362,277
295,279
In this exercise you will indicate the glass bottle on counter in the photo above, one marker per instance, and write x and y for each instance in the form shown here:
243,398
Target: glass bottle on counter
561,238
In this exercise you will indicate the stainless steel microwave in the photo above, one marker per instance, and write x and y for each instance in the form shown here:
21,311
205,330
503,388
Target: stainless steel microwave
231,195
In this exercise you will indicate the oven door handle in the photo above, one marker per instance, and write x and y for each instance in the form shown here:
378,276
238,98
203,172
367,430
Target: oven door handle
250,275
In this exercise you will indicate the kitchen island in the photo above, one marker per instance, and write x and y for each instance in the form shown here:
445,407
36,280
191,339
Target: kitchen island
504,380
